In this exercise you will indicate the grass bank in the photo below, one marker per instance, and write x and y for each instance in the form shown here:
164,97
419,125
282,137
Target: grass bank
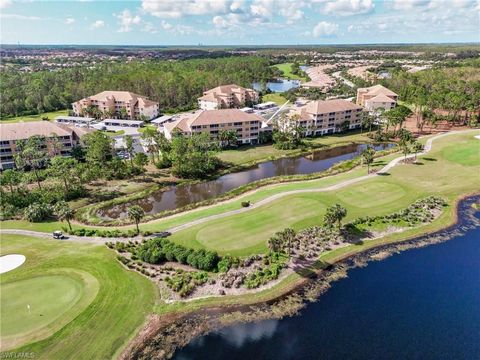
27,118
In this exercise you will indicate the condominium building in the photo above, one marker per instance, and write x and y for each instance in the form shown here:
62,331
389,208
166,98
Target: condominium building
226,97
212,122
111,103
327,117
11,134
375,97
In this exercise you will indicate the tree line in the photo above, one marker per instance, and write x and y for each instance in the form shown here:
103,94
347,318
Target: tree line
176,85
455,89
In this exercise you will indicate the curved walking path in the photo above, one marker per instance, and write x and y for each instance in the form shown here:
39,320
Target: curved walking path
385,169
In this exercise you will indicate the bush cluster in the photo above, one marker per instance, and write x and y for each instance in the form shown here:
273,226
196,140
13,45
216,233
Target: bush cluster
158,250
273,264
184,283
417,213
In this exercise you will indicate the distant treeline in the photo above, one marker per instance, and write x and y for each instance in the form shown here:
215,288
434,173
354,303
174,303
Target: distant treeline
453,88
174,84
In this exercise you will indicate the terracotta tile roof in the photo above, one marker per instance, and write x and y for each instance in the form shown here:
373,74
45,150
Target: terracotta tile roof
208,117
24,130
328,106
380,98
222,116
377,90
125,96
227,89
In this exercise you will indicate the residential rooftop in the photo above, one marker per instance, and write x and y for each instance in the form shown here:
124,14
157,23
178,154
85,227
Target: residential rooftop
25,130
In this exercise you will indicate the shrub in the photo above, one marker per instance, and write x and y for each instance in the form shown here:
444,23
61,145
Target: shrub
245,203
38,212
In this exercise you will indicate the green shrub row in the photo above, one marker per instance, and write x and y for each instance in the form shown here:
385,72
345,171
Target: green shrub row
115,233
155,251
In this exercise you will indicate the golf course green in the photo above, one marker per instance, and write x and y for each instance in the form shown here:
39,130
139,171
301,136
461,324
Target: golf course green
83,303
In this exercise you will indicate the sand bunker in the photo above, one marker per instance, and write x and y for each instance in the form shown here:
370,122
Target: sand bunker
10,262
478,137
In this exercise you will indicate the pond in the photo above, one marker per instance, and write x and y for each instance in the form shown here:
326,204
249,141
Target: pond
278,86
182,195
420,304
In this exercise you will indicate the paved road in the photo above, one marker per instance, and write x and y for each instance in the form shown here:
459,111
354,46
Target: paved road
385,169
340,77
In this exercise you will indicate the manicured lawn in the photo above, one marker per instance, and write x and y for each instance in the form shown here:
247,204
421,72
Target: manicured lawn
248,153
242,233
51,116
276,98
286,68
84,304
463,153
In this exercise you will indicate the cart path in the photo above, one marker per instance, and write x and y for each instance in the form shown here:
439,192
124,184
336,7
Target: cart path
385,169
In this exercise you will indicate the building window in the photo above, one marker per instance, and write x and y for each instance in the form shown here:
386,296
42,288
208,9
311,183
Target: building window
237,124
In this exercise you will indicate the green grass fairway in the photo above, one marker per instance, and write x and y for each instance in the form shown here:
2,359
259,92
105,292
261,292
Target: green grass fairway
286,68
90,306
463,153
51,116
54,301
276,98
243,233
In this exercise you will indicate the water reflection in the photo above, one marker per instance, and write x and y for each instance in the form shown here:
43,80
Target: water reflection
281,85
180,196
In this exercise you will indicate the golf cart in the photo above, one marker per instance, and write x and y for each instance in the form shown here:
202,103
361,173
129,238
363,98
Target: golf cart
57,234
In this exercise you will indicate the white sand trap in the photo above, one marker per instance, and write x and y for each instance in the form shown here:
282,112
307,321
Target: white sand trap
478,137
10,262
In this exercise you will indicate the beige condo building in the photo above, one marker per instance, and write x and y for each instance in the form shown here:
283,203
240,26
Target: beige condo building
212,122
13,133
111,104
375,97
226,97
322,117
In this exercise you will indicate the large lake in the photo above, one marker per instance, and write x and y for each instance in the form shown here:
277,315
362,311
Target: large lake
419,304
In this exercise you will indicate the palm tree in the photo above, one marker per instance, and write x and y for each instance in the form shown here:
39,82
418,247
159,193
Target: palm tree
335,214
417,147
136,214
367,157
64,212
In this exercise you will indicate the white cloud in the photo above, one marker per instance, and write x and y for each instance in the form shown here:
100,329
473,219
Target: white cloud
410,4
149,28
19,17
166,25
325,29
177,9
127,20
5,3
98,24
348,7
69,21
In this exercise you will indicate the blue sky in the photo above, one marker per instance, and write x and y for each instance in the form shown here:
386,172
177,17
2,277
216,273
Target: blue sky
238,22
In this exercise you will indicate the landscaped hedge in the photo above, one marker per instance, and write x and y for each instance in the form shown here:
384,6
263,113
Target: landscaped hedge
115,233
88,214
158,250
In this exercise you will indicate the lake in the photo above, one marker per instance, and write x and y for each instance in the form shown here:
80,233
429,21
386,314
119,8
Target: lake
182,195
420,304
281,85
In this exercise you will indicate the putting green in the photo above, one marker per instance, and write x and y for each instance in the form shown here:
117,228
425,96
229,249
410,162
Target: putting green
463,153
54,300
